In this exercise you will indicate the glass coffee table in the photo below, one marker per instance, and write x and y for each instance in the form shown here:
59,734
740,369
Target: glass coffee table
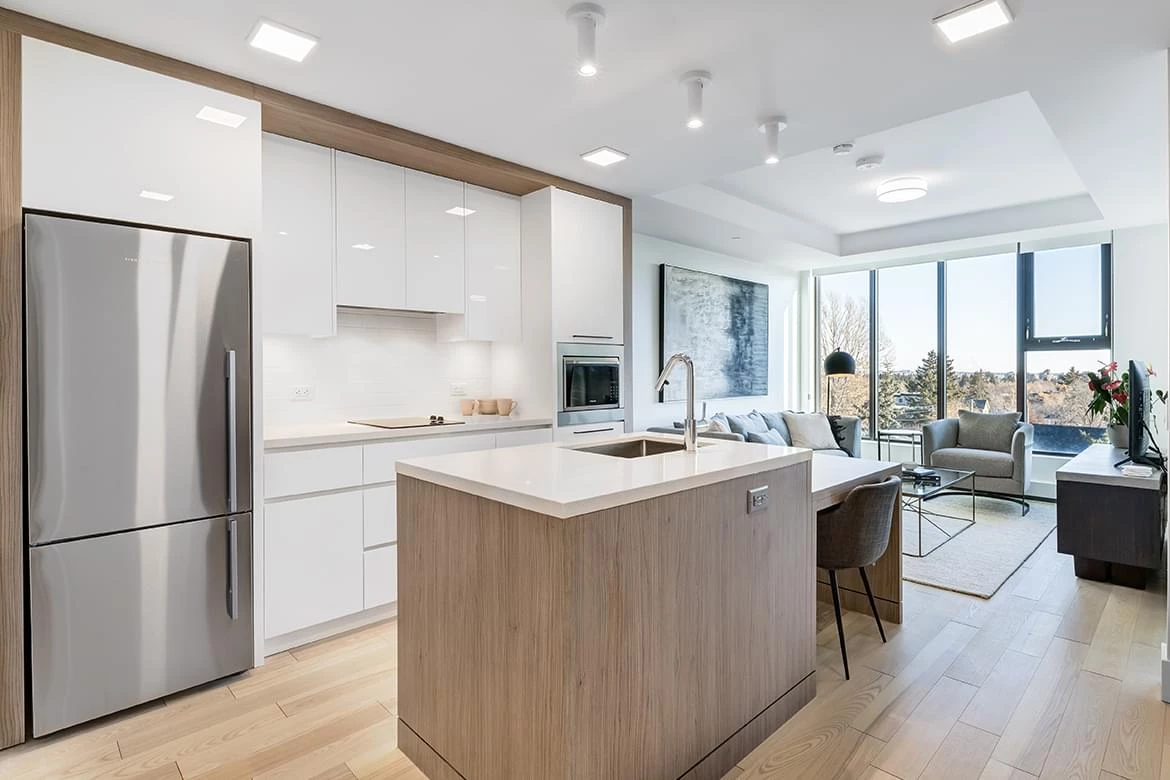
916,491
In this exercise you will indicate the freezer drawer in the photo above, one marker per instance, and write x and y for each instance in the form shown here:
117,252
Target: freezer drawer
123,619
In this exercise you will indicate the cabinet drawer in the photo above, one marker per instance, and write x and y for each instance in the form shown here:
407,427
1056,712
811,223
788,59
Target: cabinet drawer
571,433
381,572
381,458
520,438
312,561
310,471
380,515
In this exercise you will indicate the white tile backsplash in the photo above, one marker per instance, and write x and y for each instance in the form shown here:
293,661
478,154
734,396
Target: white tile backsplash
380,364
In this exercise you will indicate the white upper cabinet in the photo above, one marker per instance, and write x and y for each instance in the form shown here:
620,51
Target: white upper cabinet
435,216
587,262
97,134
371,233
295,251
493,270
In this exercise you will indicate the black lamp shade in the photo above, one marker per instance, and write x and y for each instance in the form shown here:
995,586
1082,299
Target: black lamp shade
838,363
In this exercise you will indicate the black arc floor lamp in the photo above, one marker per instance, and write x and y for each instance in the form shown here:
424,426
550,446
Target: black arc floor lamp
838,363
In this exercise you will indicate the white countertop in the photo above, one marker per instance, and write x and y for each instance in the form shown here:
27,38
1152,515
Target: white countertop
1095,466
562,481
285,437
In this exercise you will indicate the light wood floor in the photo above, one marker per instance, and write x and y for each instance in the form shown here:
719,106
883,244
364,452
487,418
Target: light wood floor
1054,678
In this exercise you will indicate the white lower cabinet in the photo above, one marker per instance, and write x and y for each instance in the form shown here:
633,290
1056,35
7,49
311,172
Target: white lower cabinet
520,438
380,567
313,561
572,433
380,515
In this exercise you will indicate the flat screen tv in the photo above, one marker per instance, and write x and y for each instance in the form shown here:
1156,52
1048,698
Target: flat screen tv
1139,415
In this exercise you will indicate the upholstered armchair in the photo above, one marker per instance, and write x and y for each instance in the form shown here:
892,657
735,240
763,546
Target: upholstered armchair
998,448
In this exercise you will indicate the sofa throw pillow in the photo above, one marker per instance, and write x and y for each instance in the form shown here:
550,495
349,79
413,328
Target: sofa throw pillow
775,421
987,431
810,430
743,424
718,423
839,433
769,436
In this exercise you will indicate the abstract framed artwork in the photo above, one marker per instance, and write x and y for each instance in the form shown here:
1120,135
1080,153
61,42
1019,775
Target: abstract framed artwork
722,323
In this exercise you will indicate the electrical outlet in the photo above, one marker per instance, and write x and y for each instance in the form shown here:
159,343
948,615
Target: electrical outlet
757,499
458,388
302,393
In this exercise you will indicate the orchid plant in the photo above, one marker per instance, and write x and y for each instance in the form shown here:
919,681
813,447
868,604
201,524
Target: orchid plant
1110,390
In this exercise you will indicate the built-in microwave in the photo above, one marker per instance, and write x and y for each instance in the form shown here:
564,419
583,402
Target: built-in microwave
590,383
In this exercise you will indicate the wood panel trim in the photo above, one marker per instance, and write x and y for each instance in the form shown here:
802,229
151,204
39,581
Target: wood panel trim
307,120
12,706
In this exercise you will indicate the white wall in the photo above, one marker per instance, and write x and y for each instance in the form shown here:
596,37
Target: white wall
649,254
378,365
1141,293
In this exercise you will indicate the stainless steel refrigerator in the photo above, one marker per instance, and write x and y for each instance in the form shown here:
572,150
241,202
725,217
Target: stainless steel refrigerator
138,430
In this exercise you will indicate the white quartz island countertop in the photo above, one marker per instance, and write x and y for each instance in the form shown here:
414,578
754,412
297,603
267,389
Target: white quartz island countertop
564,481
285,437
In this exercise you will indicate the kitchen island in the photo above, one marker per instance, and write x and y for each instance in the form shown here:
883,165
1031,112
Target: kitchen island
603,611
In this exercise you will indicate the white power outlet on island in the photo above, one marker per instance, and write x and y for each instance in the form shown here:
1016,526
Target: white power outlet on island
302,393
458,388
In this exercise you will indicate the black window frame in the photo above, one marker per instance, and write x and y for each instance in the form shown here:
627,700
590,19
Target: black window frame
1025,342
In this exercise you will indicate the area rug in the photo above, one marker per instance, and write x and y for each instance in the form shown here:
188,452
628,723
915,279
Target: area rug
979,560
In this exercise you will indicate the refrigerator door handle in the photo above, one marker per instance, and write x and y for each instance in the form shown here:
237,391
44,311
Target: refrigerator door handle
230,373
233,585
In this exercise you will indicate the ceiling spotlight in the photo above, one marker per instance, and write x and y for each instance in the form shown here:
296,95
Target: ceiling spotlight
282,41
587,17
901,190
843,149
973,19
771,128
869,163
695,81
604,156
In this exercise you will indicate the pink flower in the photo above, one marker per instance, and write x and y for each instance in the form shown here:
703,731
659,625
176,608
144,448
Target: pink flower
1111,386
1109,369
1120,397
1150,370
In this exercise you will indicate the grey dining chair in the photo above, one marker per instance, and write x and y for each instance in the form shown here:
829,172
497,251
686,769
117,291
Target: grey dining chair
854,535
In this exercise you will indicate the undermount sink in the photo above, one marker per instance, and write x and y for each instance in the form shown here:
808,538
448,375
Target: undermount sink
634,448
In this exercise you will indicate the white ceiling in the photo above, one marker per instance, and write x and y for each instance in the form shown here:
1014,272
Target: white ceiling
500,78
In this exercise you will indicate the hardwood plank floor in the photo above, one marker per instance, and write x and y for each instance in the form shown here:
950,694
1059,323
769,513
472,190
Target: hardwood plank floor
1052,677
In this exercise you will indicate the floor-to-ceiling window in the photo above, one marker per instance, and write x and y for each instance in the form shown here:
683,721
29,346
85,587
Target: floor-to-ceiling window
1011,332
843,306
907,366
981,334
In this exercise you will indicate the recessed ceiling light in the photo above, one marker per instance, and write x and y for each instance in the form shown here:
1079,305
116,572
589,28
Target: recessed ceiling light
604,156
901,190
587,17
363,247
282,232
771,128
973,19
459,211
282,41
152,195
843,149
695,81
220,117
869,163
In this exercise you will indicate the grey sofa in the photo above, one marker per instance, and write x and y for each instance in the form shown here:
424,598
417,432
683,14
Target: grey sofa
849,436
1002,464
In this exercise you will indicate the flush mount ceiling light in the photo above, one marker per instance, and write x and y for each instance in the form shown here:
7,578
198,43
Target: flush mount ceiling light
220,117
695,81
363,247
974,19
282,41
587,17
901,190
771,128
843,149
152,195
604,156
869,163
459,211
